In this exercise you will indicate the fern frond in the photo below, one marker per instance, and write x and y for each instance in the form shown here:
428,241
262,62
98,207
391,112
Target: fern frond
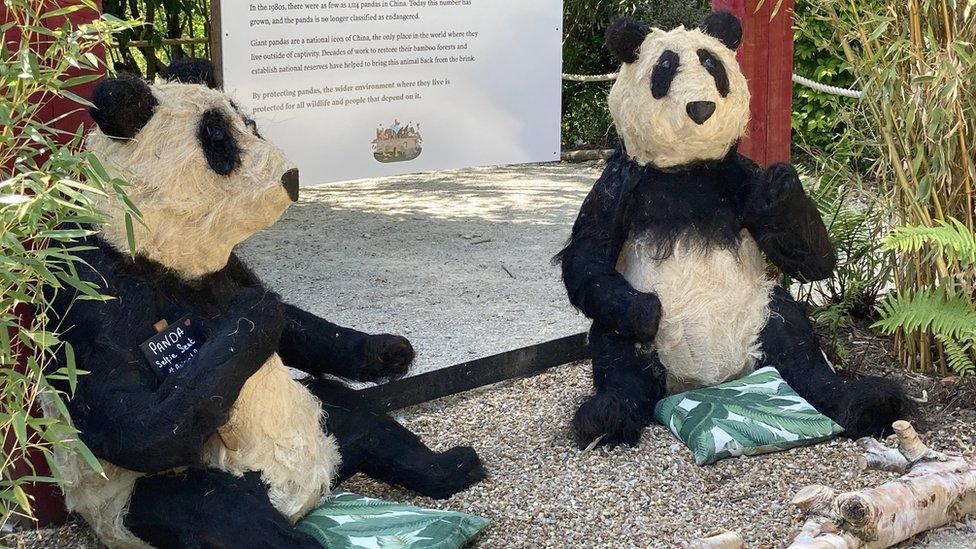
952,316
959,355
952,239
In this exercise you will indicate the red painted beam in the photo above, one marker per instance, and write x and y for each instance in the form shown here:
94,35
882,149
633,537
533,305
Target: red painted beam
766,58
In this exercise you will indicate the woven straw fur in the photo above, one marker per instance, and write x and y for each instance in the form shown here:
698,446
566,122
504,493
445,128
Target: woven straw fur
659,131
709,330
193,218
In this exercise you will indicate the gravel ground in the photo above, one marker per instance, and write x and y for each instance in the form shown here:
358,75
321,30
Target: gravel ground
543,492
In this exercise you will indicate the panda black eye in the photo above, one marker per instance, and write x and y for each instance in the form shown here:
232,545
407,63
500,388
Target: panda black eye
715,68
663,73
219,146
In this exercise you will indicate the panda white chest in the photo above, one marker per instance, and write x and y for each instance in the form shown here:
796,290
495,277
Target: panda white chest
714,303
276,427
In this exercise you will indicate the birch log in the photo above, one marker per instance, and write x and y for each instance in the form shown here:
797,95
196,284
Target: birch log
719,539
935,489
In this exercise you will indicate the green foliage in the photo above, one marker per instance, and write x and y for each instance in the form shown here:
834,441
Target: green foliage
165,20
856,223
947,313
950,238
819,119
46,190
586,120
911,136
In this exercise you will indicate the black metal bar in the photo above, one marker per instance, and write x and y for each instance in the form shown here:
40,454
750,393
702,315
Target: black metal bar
523,362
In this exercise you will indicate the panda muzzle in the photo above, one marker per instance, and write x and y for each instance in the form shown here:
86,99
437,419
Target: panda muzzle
290,182
700,111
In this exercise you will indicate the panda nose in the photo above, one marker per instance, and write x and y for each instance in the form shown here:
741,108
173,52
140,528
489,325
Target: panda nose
700,111
290,182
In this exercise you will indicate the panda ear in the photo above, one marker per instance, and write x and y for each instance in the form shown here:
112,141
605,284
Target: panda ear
725,26
190,70
122,106
624,38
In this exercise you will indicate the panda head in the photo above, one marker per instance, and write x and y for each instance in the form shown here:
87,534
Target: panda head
198,171
680,97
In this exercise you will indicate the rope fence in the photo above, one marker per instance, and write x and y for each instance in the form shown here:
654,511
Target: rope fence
797,79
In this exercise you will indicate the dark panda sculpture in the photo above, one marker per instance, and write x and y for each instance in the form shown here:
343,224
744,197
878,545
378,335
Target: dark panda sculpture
228,450
666,255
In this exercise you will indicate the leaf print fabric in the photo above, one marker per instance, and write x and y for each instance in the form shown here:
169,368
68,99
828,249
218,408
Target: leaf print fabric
348,521
756,414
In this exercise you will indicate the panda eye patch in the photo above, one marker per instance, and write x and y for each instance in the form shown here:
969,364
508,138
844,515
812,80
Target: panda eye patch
663,73
218,142
715,68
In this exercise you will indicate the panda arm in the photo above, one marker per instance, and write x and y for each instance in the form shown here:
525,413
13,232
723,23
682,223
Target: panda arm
785,222
589,261
128,419
317,346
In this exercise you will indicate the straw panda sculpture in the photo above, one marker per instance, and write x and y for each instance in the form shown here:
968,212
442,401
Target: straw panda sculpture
666,254
228,451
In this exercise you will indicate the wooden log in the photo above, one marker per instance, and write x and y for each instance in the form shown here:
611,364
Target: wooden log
935,490
718,539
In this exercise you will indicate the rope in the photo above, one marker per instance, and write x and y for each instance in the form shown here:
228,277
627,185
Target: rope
590,77
834,90
797,79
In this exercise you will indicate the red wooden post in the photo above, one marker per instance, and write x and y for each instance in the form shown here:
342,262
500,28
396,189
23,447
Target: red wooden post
48,501
766,58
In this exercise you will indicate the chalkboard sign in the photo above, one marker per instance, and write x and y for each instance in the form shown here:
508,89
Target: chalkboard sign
173,347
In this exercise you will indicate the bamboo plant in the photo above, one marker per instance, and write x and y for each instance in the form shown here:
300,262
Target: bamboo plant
916,63
46,185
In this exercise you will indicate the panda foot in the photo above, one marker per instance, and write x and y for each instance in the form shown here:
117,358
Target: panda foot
385,356
874,404
610,419
451,472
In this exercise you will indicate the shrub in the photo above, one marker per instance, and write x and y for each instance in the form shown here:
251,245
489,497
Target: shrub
166,23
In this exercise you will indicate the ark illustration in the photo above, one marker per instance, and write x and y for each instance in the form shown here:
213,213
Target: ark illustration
397,142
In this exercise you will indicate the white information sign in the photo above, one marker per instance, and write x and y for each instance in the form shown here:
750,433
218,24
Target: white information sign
355,89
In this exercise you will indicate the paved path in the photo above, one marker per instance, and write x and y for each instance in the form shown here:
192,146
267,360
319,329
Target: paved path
457,261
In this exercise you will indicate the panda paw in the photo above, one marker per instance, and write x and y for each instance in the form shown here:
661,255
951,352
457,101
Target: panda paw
386,356
779,188
609,419
873,405
453,471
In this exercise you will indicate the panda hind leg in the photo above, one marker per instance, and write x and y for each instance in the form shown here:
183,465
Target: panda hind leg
209,508
628,382
865,406
375,444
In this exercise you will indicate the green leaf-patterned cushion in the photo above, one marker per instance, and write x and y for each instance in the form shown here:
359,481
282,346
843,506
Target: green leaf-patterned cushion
756,414
349,520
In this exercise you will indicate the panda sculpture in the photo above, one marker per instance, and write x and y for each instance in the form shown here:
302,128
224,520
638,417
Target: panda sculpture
228,451
666,255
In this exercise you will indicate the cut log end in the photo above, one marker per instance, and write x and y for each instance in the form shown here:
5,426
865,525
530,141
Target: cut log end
814,498
933,490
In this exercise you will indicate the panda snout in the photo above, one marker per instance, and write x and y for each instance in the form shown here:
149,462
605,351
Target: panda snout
290,182
700,111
